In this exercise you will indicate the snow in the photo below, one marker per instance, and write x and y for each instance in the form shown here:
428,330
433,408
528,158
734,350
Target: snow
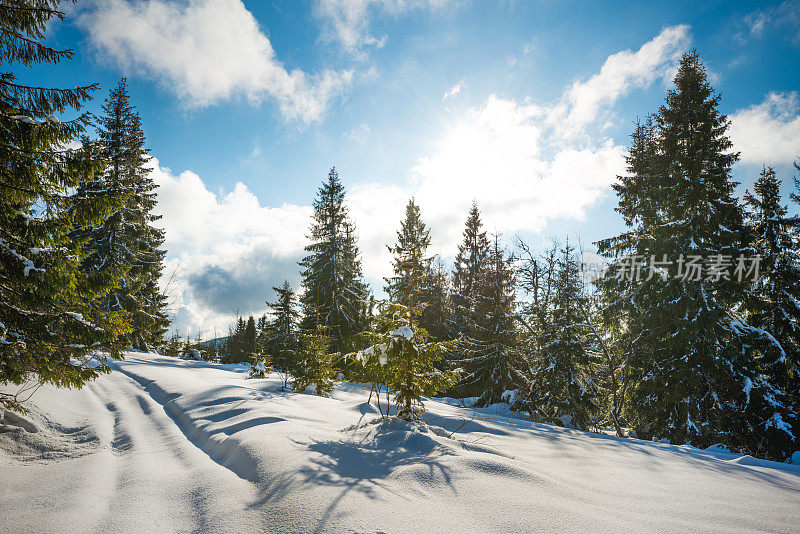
403,331
163,445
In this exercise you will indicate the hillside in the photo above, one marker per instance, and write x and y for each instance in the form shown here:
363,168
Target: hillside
169,445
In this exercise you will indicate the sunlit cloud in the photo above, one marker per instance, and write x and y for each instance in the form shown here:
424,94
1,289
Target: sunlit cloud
768,133
453,91
207,51
348,21
226,250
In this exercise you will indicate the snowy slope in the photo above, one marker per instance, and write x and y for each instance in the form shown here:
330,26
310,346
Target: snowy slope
164,445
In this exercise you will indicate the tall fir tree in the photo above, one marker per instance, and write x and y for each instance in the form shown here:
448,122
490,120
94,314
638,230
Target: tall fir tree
411,355
282,331
410,283
794,366
249,339
473,254
437,316
234,350
564,386
50,325
776,307
334,294
493,359
127,239
695,372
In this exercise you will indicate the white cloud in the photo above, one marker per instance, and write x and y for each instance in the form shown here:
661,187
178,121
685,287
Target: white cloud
360,135
769,132
225,242
453,91
502,154
582,103
778,19
207,51
530,46
348,21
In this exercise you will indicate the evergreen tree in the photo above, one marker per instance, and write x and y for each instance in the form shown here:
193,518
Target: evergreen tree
127,239
794,366
400,357
234,350
283,330
776,307
262,335
695,373
437,316
249,339
473,254
334,294
49,319
563,388
314,363
410,284
493,359
537,275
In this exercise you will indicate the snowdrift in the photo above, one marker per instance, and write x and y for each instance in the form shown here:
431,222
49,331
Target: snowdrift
164,444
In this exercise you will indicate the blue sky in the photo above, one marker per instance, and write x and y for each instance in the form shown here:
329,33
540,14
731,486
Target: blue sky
525,106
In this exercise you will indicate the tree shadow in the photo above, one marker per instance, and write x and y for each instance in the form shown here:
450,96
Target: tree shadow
364,463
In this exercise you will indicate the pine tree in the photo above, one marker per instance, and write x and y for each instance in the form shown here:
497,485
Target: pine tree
282,330
262,335
249,339
49,319
235,346
776,307
412,267
127,239
334,294
493,359
794,366
400,357
537,278
473,254
314,363
437,316
695,372
563,388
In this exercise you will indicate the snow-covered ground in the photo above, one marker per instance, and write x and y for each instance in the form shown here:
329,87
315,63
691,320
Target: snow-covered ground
166,445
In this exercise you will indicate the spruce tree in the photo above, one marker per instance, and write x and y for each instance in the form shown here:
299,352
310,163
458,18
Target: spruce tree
402,357
50,325
235,344
283,329
695,373
473,254
564,389
493,360
127,239
249,339
411,280
537,276
333,292
437,316
794,366
314,362
262,335
776,307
